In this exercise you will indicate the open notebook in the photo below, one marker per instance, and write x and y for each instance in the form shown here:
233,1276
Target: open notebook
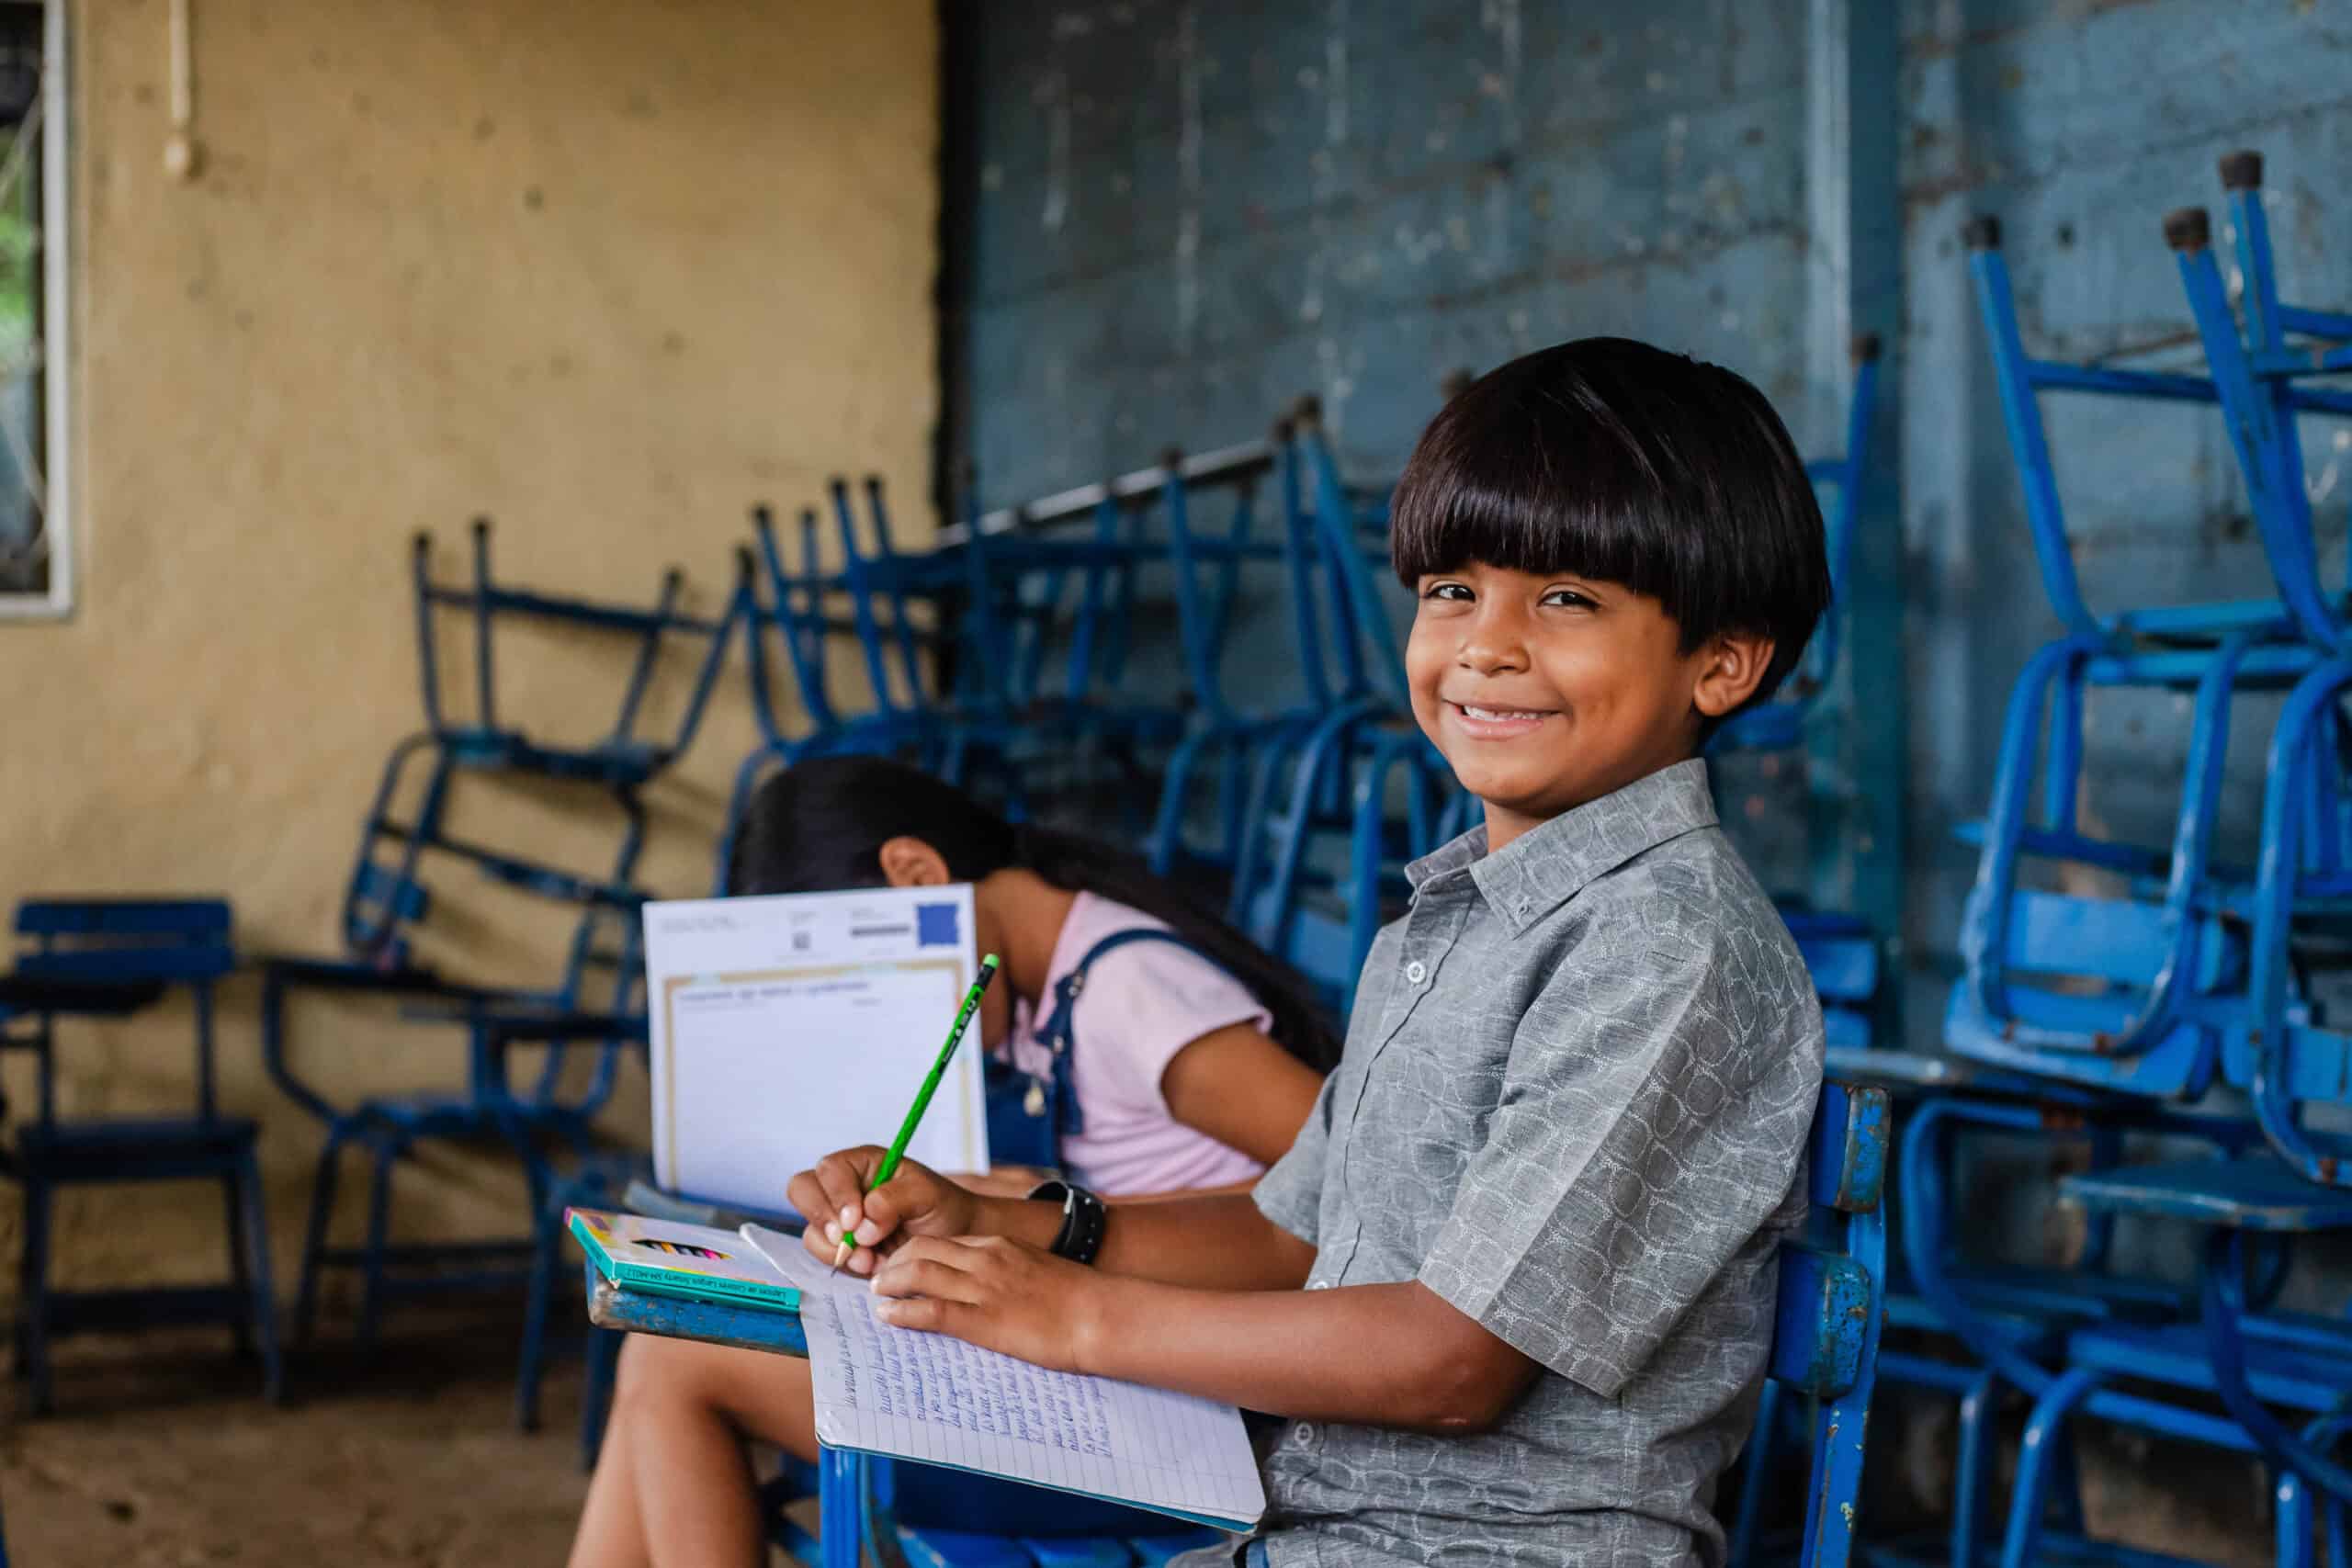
926,1397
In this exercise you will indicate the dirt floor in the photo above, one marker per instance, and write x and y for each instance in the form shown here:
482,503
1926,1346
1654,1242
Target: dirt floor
162,1453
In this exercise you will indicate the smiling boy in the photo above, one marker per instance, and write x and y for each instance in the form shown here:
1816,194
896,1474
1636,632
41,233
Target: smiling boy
1535,1212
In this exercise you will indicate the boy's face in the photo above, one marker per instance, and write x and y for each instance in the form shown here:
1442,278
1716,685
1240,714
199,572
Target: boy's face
1546,691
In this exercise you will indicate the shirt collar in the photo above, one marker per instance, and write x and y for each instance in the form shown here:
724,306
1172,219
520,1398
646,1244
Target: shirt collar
1548,866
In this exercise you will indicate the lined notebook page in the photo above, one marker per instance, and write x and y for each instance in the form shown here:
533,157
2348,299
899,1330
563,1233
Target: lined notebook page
928,1397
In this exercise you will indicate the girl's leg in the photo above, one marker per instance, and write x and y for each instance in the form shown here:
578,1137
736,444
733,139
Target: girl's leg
673,1483
612,1532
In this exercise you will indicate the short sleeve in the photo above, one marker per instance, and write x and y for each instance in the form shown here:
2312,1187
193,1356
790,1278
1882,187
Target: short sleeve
1291,1194
1142,1004
1652,1117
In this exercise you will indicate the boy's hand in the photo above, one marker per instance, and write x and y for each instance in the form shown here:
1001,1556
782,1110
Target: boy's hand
995,1293
915,1202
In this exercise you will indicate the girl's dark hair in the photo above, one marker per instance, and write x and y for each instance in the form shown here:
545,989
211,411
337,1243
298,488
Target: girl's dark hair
820,825
1628,464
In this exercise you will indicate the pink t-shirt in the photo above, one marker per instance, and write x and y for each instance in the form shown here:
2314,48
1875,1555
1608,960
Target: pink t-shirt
1141,1004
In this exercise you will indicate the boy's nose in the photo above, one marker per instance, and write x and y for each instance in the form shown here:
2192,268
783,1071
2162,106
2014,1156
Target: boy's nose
1491,643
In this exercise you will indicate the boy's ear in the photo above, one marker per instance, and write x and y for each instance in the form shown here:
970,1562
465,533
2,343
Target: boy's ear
909,862
1732,667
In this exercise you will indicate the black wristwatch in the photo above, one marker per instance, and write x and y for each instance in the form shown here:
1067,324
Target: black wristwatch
1083,1217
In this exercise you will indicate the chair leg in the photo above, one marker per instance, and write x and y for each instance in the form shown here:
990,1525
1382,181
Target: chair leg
1756,1476
380,1225
2066,1486
2035,1456
840,1478
253,1207
314,1236
34,1301
2295,1524
1969,1499
240,1276
546,1241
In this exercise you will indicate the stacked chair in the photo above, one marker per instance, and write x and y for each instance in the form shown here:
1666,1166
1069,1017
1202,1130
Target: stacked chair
407,839
2108,985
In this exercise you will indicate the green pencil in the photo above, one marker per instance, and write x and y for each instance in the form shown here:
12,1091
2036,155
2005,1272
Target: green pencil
889,1165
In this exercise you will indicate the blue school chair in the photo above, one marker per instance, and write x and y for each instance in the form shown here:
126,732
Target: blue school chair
1291,891
539,1121
1825,1328
597,1179
1231,737
2263,380
93,958
388,901
2131,993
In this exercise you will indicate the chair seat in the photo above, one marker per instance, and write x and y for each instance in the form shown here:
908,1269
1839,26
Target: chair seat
139,1134
84,999
2251,1195
613,763
136,1149
2180,1356
1933,1071
957,1549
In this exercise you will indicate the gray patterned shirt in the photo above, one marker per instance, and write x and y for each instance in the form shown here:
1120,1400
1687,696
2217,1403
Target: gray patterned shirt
1574,1103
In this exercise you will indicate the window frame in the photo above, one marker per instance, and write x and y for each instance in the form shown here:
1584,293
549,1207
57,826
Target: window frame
57,357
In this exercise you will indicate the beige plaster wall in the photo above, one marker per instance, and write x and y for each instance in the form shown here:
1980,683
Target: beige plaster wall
607,270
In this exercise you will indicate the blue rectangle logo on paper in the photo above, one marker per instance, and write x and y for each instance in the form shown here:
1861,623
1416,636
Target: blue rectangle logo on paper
935,925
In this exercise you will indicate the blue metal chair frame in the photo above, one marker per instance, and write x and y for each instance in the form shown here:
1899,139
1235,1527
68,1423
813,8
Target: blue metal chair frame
1778,725
487,1107
2250,1358
387,900
106,957
620,759
1827,1322
2174,974
1234,737
2061,1342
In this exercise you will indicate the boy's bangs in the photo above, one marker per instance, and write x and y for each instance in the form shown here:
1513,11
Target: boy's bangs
1565,531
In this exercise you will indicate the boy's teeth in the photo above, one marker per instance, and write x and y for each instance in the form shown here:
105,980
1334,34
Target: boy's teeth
1496,713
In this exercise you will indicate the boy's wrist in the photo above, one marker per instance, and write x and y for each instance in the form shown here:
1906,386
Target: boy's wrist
1095,1308
1019,1219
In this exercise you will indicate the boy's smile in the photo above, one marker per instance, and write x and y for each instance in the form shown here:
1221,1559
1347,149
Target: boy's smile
1546,691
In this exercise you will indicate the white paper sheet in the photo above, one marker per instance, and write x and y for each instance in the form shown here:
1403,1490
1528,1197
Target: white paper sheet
786,1028
932,1398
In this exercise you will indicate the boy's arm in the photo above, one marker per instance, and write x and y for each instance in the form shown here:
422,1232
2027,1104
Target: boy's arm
1386,1355
1219,1243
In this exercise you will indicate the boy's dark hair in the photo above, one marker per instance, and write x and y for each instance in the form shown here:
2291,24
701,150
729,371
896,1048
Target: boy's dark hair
1624,462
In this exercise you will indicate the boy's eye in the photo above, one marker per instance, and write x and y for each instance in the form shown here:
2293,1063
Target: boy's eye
1567,599
1456,592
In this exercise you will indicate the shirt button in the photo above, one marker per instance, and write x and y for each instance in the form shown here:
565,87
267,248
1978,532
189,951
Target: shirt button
1318,1285
1304,1433
1416,972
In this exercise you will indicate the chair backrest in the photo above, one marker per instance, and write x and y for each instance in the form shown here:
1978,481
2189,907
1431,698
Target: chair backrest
2259,379
487,602
130,942
1350,539
1831,1306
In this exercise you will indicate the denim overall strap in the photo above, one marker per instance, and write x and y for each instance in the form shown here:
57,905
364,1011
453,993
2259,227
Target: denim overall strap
1059,1033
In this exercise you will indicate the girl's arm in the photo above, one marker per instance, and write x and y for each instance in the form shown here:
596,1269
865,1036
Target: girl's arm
1385,1355
1241,1088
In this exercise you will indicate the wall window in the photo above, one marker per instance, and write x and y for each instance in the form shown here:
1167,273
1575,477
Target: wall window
36,558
